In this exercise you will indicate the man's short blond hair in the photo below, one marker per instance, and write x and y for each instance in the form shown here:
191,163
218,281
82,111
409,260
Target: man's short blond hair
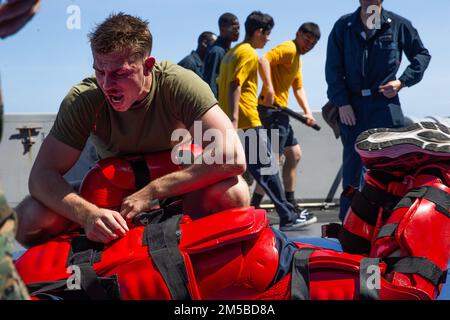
121,33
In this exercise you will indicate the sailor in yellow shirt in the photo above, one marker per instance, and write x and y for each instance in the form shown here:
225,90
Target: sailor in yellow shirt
238,85
280,69
239,70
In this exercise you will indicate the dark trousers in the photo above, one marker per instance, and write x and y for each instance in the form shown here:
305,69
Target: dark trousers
264,169
371,112
351,164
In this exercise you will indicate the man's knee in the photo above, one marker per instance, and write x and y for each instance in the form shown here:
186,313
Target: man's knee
230,193
293,155
227,194
36,223
239,193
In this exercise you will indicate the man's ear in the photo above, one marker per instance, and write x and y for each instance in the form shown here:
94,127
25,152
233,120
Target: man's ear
149,63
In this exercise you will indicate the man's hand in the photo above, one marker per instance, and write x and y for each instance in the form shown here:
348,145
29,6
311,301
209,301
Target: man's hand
104,226
310,120
391,89
136,203
269,98
15,14
347,115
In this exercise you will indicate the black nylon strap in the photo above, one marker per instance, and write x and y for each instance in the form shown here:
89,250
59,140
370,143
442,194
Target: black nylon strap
439,197
365,209
367,290
91,284
417,192
83,250
387,230
58,290
404,203
37,288
162,240
417,265
351,243
300,274
83,254
141,173
331,230
380,197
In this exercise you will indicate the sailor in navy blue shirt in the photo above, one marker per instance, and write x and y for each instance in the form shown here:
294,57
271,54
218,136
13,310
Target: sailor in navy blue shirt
364,54
194,61
229,32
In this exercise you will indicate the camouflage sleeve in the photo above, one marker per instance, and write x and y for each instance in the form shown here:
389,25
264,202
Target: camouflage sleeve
5,211
11,286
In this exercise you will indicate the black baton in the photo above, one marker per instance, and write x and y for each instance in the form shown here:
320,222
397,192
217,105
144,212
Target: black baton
295,115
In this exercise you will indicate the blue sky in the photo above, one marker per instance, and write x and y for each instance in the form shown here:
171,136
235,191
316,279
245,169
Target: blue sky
40,63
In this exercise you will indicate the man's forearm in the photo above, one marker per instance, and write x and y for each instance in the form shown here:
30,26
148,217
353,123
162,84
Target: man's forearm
53,191
416,70
265,73
234,98
300,96
196,176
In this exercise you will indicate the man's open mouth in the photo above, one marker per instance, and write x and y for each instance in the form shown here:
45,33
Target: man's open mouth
116,98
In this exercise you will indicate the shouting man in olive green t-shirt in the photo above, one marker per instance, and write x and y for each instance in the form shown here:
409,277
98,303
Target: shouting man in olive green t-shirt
132,106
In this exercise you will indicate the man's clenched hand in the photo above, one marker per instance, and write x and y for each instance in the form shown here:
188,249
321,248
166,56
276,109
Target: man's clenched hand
105,225
136,203
391,89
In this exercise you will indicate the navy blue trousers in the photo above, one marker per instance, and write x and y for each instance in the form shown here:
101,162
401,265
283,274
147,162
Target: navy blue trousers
263,166
370,112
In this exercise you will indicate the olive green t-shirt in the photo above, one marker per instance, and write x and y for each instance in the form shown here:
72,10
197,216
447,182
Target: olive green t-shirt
176,99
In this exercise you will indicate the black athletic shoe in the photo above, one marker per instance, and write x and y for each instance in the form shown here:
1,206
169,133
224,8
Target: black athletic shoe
404,148
304,218
305,215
